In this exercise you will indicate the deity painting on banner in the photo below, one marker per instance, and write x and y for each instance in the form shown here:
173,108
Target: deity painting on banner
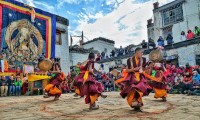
23,40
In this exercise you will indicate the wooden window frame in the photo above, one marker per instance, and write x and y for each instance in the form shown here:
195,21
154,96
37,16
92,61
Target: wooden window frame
60,39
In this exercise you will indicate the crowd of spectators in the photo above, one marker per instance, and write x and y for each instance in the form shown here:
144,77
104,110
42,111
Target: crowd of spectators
13,86
183,80
190,35
114,53
180,80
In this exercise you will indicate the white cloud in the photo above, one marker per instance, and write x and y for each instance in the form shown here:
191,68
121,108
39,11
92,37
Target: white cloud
96,16
61,2
116,3
29,2
45,6
132,19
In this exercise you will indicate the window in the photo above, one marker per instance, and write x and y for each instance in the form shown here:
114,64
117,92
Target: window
172,15
198,59
38,84
58,38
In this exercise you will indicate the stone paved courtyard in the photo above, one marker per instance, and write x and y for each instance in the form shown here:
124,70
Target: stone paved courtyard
114,107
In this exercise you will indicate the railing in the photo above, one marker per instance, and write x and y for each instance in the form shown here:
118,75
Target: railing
166,47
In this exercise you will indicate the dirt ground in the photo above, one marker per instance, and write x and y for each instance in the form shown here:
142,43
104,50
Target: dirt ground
112,108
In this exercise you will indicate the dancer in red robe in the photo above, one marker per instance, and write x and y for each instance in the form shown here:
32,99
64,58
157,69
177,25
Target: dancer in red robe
158,80
54,88
86,85
157,74
135,85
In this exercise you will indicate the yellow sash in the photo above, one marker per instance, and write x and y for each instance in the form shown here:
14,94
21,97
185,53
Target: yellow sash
137,74
85,77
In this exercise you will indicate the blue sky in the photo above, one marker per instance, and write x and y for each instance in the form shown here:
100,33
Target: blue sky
123,21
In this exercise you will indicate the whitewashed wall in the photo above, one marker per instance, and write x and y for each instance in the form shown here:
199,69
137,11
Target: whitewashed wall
191,15
100,46
186,54
76,57
62,51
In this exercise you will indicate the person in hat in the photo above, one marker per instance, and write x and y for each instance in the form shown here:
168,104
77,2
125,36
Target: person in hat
188,69
87,85
158,81
196,83
180,70
197,68
196,78
54,87
157,73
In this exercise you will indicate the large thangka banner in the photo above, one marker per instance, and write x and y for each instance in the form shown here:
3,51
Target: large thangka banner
24,35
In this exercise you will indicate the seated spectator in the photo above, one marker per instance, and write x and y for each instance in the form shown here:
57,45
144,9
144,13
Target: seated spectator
169,39
99,77
197,31
187,83
144,44
152,43
180,70
177,88
190,35
113,53
4,86
196,78
121,51
25,86
196,83
18,85
98,57
169,81
178,79
11,85
105,77
197,69
188,69
160,41
107,82
183,36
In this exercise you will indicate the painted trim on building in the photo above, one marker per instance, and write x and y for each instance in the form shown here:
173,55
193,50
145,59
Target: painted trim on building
166,6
